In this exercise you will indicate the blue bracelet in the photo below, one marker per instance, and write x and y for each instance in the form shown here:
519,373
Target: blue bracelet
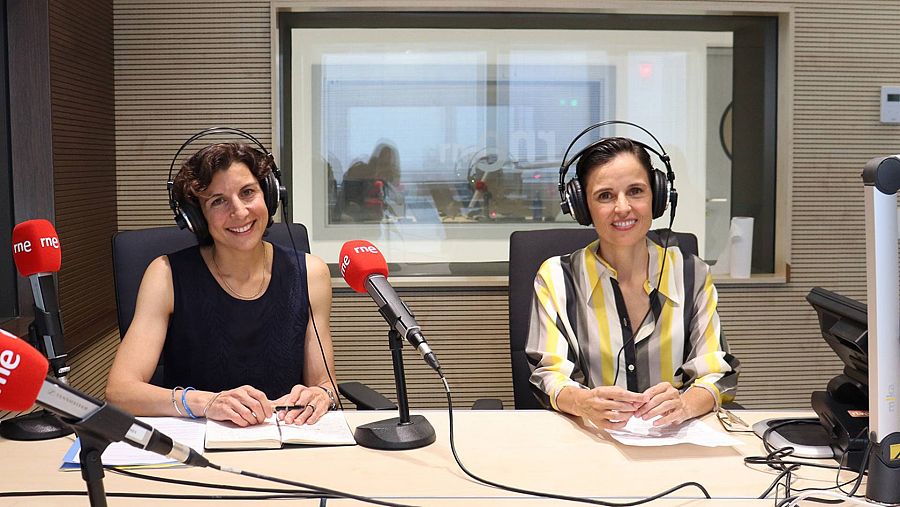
184,402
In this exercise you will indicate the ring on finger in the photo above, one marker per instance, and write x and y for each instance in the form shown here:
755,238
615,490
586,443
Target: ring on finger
313,407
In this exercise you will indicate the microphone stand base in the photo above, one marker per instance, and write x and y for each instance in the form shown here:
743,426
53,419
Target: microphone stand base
38,425
394,435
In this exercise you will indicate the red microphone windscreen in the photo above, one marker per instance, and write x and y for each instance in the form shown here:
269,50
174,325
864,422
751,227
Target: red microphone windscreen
36,247
22,373
360,259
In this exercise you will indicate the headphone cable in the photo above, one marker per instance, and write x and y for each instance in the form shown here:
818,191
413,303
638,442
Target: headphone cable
653,293
312,317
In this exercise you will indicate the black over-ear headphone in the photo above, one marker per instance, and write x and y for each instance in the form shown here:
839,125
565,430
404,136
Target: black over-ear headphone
189,216
573,200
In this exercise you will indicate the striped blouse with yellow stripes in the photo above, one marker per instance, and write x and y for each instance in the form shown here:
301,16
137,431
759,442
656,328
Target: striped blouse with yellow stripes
579,324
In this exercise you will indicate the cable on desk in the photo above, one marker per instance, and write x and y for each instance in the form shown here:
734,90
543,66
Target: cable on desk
161,496
275,493
834,498
319,489
182,482
776,460
553,495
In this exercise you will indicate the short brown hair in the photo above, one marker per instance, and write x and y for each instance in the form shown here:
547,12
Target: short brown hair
197,172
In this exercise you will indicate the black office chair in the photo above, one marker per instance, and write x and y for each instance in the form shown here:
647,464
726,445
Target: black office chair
132,252
527,251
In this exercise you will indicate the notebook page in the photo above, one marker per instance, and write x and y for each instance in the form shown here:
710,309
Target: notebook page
227,435
331,429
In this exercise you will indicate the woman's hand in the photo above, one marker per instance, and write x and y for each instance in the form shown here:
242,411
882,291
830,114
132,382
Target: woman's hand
243,406
608,407
667,402
315,402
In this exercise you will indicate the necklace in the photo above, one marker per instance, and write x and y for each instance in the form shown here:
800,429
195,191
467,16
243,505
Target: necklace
262,281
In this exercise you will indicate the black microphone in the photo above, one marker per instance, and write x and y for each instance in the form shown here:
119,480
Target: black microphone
21,385
37,256
365,270
112,423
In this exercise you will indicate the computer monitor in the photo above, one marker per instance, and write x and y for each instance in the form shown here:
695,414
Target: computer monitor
843,408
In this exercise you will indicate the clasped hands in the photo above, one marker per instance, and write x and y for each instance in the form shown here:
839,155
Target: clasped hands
246,405
610,407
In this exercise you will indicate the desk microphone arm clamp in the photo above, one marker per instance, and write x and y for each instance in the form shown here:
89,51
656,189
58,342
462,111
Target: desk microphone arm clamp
398,433
881,180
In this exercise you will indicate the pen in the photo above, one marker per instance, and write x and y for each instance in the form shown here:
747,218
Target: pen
289,407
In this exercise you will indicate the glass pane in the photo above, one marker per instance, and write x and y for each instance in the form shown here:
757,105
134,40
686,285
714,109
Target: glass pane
437,144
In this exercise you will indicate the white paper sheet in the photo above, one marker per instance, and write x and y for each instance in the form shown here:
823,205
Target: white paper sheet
187,431
639,432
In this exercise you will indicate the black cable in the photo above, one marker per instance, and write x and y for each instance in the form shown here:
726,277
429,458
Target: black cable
319,489
182,482
650,308
312,491
553,495
777,482
775,460
164,496
862,467
811,499
312,318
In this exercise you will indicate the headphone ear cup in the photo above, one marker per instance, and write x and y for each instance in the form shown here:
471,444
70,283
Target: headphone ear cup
577,202
191,218
660,188
271,189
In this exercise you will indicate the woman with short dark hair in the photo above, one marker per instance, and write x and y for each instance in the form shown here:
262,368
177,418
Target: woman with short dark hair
231,316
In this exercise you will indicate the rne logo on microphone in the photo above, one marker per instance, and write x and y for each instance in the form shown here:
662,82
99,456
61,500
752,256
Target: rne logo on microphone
365,249
9,361
26,247
22,246
345,263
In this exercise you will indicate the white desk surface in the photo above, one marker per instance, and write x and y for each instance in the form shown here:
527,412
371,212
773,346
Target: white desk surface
537,449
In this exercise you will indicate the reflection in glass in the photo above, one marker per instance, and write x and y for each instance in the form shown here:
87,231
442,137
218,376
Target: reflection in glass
453,144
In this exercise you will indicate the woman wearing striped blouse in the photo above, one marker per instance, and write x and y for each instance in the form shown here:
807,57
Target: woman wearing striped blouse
616,332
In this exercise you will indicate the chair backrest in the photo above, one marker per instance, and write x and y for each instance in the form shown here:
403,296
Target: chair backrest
132,252
527,251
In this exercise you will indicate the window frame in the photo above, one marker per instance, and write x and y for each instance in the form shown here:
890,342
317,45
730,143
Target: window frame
760,36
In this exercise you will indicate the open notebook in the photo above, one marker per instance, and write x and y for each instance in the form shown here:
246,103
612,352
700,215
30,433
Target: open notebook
331,429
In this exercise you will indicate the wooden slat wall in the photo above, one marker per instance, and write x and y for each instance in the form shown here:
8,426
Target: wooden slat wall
182,66
469,331
84,164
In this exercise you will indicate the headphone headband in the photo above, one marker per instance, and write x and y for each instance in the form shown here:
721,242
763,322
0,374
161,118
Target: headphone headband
662,185
221,130
564,167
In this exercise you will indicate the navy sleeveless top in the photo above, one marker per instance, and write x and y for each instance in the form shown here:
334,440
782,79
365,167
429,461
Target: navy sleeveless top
217,342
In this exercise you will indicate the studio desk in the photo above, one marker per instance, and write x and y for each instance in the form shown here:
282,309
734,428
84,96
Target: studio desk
532,449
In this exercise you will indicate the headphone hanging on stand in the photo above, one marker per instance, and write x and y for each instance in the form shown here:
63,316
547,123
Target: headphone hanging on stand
573,200
189,216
